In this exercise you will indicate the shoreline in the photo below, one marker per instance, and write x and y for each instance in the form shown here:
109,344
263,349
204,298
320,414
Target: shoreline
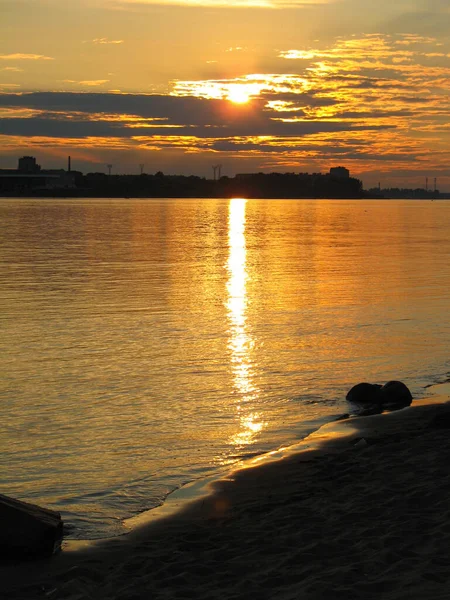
442,196
364,511
181,498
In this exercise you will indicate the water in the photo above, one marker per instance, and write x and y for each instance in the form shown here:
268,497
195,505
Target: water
148,343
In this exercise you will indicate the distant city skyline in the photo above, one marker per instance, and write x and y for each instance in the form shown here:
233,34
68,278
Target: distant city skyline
30,164
29,178
260,85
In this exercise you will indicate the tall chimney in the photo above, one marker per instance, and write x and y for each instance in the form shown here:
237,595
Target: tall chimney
68,165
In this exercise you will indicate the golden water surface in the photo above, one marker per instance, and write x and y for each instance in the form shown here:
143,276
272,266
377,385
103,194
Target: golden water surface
146,343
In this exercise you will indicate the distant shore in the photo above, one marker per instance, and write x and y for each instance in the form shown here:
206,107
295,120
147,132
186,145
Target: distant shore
74,184
245,185
362,512
119,194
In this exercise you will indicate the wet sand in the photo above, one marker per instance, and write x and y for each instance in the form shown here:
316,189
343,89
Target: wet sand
364,512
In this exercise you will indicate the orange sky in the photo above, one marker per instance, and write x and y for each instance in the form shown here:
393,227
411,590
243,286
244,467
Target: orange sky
265,85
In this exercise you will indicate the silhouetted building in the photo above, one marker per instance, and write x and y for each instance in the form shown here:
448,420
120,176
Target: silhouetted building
28,164
29,177
61,182
340,172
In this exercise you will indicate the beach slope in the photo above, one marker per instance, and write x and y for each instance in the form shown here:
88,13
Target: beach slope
362,512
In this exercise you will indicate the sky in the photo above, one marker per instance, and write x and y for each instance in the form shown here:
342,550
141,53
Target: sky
179,86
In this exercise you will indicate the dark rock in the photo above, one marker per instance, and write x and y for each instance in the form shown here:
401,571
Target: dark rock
366,398
364,393
372,398
395,395
27,530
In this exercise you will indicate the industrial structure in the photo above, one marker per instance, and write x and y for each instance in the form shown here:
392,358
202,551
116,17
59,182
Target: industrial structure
29,176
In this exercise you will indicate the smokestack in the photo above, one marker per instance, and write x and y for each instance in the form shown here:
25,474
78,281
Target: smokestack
68,165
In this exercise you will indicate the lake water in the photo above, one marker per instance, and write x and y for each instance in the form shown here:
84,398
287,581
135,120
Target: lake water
148,343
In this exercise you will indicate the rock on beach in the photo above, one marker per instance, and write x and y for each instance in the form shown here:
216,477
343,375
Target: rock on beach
372,398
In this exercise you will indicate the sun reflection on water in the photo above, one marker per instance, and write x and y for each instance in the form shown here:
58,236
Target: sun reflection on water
240,342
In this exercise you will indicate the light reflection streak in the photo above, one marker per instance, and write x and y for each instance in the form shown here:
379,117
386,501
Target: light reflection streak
240,342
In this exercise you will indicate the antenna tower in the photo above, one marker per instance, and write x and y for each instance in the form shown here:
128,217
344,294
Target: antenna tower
426,184
141,167
217,169
109,169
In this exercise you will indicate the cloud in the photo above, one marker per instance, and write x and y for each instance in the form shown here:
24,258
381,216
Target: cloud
20,56
106,41
87,82
175,109
186,117
12,69
163,119
261,4
93,82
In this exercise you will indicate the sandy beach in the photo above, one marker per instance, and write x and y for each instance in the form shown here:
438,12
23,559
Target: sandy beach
362,512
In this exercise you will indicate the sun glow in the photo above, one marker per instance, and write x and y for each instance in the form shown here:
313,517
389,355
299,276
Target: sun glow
238,94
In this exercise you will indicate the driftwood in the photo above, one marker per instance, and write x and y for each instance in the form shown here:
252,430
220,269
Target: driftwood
27,530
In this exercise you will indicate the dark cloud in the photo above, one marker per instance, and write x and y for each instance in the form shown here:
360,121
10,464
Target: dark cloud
199,110
387,157
326,150
195,117
36,127
298,99
375,114
176,110
414,99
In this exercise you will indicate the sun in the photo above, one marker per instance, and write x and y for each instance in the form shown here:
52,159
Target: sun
238,94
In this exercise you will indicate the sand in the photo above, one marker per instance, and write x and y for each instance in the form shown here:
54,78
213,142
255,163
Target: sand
364,512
